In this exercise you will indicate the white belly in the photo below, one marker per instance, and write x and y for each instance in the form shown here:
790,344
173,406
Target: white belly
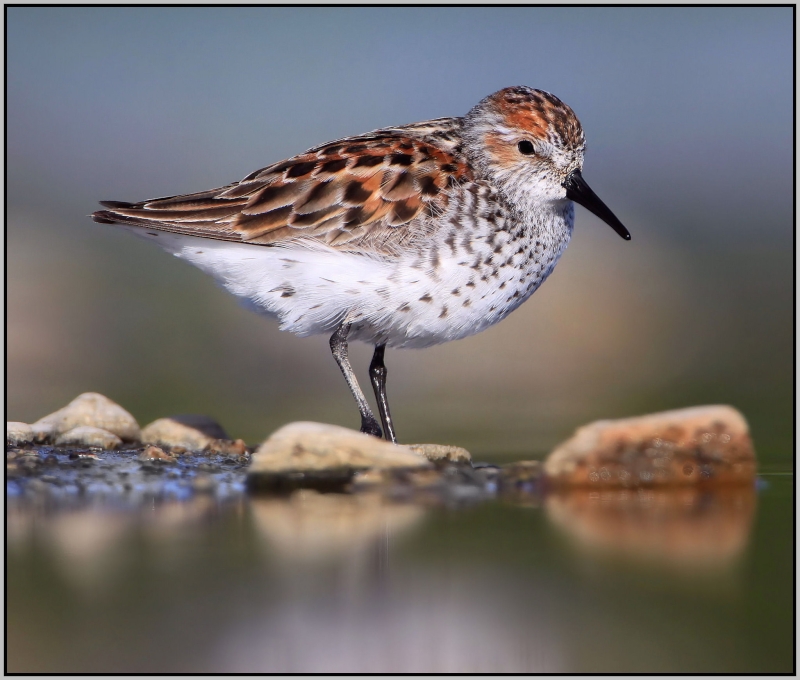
311,288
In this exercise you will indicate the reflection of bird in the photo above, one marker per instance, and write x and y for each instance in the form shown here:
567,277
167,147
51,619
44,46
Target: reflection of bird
403,237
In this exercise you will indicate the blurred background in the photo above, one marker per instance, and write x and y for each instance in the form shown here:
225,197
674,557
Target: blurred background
688,117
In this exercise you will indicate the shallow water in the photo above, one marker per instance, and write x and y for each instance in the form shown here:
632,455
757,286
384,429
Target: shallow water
626,581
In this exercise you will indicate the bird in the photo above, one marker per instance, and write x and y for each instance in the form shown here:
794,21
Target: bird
406,236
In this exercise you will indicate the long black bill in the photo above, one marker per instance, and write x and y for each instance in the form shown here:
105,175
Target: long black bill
582,194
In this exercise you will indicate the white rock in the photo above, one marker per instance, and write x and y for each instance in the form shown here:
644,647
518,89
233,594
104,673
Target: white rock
18,434
316,447
85,435
88,409
170,432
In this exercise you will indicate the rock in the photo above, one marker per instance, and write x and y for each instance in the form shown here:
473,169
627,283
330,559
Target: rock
235,449
323,456
522,471
93,437
205,424
90,409
700,445
520,481
190,432
441,452
154,453
18,434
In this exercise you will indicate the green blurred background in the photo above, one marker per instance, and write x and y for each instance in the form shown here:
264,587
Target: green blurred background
688,117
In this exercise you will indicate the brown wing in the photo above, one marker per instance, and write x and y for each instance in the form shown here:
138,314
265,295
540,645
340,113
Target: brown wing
340,193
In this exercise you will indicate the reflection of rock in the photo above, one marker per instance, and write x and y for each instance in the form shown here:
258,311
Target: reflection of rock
90,546
317,452
92,437
18,434
441,452
685,526
192,432
90,409
310,525
701,445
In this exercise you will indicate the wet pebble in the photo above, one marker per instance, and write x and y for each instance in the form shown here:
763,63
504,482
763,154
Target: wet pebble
235,450
18,434
186,432
153,453
92,437
88,409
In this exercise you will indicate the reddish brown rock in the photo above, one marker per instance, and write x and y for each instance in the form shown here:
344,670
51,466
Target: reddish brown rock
707,445
232,449
152,453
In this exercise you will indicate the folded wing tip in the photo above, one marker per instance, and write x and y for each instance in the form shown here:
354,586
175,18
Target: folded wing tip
116,204
103,217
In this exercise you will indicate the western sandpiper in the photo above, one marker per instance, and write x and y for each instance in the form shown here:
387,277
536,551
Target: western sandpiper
406,236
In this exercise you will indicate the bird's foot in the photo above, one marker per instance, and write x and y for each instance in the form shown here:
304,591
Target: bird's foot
371,427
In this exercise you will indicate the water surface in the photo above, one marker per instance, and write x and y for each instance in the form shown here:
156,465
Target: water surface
584,582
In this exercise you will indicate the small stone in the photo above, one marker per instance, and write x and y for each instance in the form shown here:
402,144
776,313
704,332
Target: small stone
88,409
18,434
189,432
707,445
153,453
521,475
93,437
520,481
441,452
323,456
235,449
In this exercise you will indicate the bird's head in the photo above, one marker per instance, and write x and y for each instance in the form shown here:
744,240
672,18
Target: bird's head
530,145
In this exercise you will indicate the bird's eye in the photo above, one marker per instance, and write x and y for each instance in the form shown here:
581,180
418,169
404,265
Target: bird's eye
525,147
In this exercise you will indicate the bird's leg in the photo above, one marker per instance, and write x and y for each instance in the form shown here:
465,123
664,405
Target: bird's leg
377,374
339,350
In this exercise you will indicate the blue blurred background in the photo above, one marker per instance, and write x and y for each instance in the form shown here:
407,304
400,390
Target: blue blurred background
688,117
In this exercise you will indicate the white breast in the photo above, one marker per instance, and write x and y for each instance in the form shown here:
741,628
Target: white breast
312,288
